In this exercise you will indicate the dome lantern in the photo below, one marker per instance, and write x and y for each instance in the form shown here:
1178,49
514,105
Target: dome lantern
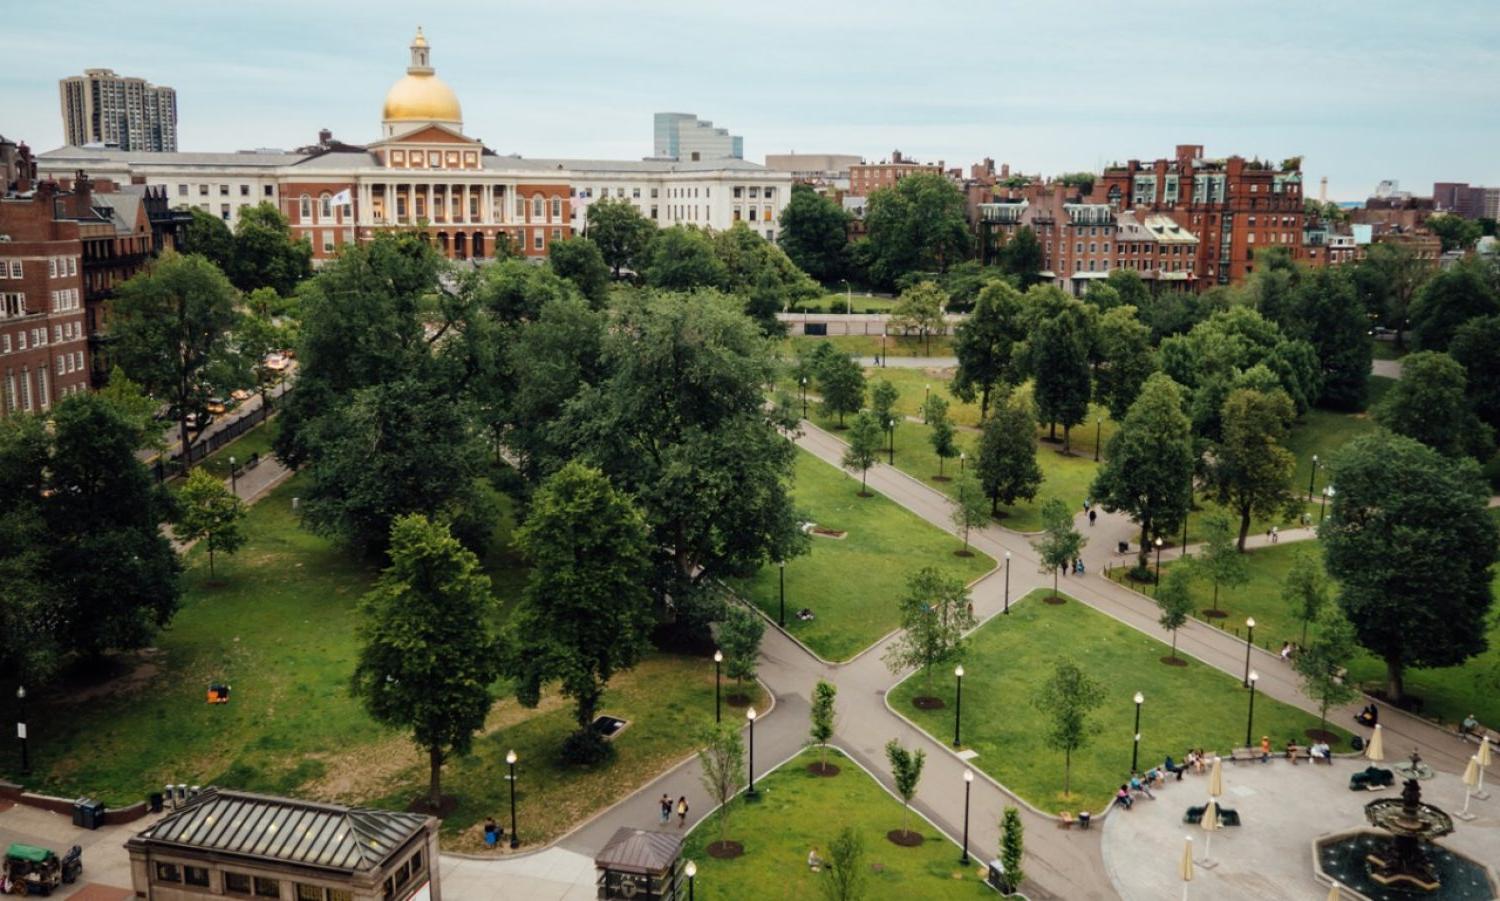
420,96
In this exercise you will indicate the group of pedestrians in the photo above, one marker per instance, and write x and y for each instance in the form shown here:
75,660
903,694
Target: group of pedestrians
666,809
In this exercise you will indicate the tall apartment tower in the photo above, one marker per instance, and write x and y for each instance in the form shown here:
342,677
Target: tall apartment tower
683,136
100,107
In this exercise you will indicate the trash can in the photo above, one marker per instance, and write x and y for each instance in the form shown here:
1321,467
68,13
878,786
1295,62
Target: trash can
996,877
1083,819
155,801
88,813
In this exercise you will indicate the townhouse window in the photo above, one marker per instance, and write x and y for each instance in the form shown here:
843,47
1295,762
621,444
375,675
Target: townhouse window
52,267
304,208
754,192
203,190
62,367
325,207
739,192
223,190
327,242
269,191
182,190
635,193
224,211
537,241
244,190
195,876
557,206
72,266
654,192
536,207
1078,248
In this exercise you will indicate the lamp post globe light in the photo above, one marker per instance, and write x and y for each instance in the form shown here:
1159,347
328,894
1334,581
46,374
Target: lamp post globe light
21,730
234,476
1007,583
1249,643
1312,477
750,793
510,761
1158,563
1323,508
804,397
890,431
968,786
958,702
1250,718
1098,433
1135,752
690,869
962,456
718,710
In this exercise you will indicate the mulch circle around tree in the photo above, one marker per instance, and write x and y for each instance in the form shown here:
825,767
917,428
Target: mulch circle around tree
928,702
1055,599
443,811
725,850
1215,614
737,700
1322,735
1174,661
823,769
942,478
865,493
904,837
963,553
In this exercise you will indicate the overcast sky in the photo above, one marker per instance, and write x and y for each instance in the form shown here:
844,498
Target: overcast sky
1364,90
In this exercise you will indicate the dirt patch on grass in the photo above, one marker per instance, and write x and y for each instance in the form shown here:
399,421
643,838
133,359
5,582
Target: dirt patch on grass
906,838
928,702
820,532
725,850
1174,661
446,805
1055,599
134,673
823,769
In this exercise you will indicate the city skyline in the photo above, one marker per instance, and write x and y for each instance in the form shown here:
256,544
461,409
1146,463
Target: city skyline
1360,98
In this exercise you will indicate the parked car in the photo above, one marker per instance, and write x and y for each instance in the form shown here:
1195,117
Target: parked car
275,362
215,405
240,395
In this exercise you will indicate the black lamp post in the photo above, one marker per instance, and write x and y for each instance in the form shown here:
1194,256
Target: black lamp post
1327,493
510,761
804,397
1007,583
926,394
968,785
750,793
1158,563
1135,753
1250,719
21,730
958,702
781,621
890,431
234,477
1312,477
691,870
962,456
1249,643
718,711
1098,433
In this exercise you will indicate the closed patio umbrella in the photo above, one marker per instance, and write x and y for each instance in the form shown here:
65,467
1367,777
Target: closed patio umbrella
1210,824
1375,750
1471,779
1216,778
1485,759
1334,894
1185,868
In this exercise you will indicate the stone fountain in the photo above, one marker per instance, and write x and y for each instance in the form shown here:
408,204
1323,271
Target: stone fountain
1402,860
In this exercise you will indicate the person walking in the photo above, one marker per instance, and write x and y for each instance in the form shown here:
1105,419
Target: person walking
1093,515
682,811
666,808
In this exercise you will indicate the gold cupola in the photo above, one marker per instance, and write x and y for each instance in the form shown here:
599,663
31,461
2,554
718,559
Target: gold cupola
420,96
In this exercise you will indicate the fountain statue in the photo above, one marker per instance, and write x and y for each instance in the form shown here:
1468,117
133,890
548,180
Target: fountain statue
1412,824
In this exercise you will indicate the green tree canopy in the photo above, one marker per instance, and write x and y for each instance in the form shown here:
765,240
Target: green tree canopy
906,772
580,261
1174,601
740,633
1148,468
621,233
934,617
209,237
1306,589
864,447
585,613
208,511
1430,403
1058,361
1327,312
721,759
1021,257
427,656
1476,347
1456,232
815,233
1452,296
1060,543
1250,469
682,258
266,253
1067,698
920,309
1128,359
823,718
1221,560
1411,545
916,225
970,507
985,344
941,434
842,384
1323,664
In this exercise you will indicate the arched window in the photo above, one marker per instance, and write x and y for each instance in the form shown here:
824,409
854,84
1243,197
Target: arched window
325,204
304,210
537,210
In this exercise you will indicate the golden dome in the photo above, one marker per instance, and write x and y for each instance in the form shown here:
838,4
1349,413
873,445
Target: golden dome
421,98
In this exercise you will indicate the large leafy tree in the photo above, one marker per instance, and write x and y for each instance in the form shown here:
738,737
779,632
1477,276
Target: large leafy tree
427,656
916,225
1306,589
1456,232
621,233
934,617
1128,359
1006,464
580,261
1476,347
985,344
1327,313
1429,403
1221,560
1174,601
815,233
1059,364
1021,257
586,613
266,253
1323,664
920,309
1066,699
32,650
906,772
1451,297
548,362
117,573
513,290
864,447
1411,545
842,384
208,511
1387,280
1060,543
1148,469
679,422
170,331
209,236
1250,469
682,258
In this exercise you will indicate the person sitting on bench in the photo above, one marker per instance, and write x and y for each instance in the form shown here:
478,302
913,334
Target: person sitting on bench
1122,797
1173,769
1470,726
1319,751
1137,784
1291,750
1265,749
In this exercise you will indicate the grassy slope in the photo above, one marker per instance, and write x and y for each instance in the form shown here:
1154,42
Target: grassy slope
853,584
799,811
1012,656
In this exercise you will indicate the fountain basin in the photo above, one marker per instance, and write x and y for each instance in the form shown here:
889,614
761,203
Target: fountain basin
1342,857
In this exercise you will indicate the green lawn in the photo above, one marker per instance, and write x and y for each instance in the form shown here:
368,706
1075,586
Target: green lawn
853,584
256,441
1387,350
278,626
870,345
1010,658
798,812
840,301
1323,432
1448,694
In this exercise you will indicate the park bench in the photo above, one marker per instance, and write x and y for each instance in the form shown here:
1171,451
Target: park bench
1302,753
1239,755
1371,779
1065,819
1478,733
1228,816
